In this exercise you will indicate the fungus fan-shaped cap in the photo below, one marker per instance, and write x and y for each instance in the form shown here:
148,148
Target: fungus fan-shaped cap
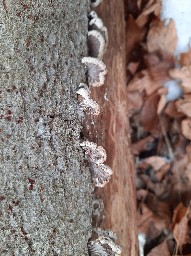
86,102
95,3
96,71
104,246
96,44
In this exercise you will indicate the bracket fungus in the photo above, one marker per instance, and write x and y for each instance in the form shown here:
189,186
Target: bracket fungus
96,155
86,102
95,3
96,71
96,44
104,246
96,23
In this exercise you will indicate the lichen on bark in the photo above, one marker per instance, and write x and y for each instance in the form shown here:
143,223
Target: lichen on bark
45,188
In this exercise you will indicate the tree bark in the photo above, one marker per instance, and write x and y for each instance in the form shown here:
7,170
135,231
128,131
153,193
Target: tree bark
45,188
111,130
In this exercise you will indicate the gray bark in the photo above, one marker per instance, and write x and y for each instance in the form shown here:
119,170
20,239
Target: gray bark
45,187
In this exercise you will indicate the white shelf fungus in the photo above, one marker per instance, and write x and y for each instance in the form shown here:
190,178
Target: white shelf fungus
101,173
86,102
96,44
104,246
95,3
96,23
96,71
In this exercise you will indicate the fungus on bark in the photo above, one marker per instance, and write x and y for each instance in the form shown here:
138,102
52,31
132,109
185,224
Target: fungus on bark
101,173
96,44
96,23
96,71
104,246
86,102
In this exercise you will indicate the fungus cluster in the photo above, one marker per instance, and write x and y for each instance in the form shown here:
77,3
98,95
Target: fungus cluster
96,155
85,101
96,71
104,246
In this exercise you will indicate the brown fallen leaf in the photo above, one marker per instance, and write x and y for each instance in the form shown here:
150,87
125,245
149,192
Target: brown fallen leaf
188,151
134,102
152,6
149,117
171,110
178,214
181,229
161,104
142,145
184,106
183,74
162,37
132,67
134,35
187,175
161,249
185,58
157,162
143,81
158,64
147,221
186,128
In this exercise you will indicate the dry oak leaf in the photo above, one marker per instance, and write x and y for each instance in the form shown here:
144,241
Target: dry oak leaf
188,151
149,117
181,230
183,74
171,110
134,35
186,128
161,248
153,6
185,58
162,37
143,81
157,162
184,106
158,64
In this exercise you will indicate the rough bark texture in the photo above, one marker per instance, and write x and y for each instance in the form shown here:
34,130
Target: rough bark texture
113,134
45,188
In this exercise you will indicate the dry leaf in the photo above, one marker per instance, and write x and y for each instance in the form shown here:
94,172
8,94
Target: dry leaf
143,81
171,110
178,214
157,162
183,74
161,104
132,67
149,118
142,145
186,128
159,64
134,35
181,230
162,37
134,102
185,58
184,106
161,248
152,6
188,151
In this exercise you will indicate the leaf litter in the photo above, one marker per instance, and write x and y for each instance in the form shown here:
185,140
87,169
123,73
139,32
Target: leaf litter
159,108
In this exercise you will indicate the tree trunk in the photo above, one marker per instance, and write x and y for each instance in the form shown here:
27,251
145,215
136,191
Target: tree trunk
111,130
45,188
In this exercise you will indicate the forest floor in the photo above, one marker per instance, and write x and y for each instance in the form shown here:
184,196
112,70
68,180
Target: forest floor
159,107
